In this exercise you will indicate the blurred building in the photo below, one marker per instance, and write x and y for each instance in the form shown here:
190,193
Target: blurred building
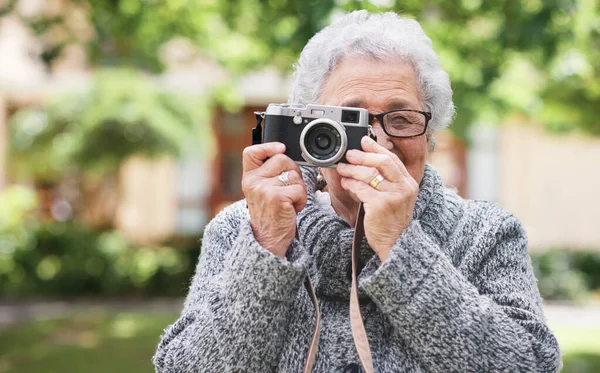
549,182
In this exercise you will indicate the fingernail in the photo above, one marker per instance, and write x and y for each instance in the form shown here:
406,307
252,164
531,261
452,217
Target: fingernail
280,147
368,139
351,153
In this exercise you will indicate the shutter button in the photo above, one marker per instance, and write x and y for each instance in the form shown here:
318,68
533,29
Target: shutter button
352,368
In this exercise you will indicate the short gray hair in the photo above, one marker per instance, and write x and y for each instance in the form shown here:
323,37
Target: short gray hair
384,36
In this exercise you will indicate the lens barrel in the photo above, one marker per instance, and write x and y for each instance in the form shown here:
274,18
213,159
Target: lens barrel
323,142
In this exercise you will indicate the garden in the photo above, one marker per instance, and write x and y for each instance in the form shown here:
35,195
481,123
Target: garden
59,193
68,261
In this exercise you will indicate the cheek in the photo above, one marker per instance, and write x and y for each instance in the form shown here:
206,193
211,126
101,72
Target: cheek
413,152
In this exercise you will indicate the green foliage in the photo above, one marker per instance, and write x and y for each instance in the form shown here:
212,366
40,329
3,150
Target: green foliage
34,148
529,57
588,262
274,31
519,57
65,259
120,32
241,34
16,204
566,274
533,58
123,113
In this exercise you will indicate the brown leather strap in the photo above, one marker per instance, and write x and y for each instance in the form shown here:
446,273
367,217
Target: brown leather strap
356,323
312,352
359,334
314,345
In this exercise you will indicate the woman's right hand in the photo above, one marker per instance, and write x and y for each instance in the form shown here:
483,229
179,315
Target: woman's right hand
272,205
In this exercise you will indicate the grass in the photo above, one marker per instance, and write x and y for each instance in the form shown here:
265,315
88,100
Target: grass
125,343
92,343
581,347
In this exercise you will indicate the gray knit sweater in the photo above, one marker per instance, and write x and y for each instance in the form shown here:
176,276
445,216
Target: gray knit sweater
456,294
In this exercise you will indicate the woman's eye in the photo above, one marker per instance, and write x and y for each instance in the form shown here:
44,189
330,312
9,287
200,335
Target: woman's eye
399,120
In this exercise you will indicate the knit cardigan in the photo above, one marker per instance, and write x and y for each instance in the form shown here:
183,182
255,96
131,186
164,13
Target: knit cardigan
457,293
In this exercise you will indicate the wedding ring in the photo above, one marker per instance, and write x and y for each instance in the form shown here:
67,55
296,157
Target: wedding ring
376,180
283,177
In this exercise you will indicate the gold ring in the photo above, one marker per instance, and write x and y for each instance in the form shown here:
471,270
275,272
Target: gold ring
376,180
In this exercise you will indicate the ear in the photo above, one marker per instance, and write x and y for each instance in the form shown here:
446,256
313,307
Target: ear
431,141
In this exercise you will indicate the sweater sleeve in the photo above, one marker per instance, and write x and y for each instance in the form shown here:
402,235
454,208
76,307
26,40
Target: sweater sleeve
455,326
234,317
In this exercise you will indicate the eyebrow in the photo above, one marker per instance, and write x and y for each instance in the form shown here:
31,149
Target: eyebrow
399,104
356,102
391,105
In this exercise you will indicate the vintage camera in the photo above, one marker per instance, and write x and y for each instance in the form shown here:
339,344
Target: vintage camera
316,135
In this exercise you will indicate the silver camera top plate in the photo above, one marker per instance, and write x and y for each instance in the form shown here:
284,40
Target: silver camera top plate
335,113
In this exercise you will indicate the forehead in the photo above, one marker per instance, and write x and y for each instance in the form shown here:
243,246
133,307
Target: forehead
381,85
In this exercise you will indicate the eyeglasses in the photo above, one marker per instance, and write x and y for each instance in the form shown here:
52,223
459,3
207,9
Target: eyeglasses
403,123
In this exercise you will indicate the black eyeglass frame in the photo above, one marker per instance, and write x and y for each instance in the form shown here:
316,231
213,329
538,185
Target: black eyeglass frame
380,116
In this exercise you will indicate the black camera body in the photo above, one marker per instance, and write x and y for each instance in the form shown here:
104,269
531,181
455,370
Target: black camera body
316,135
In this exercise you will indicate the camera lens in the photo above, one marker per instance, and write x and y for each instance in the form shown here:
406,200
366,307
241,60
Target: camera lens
350,116
323,142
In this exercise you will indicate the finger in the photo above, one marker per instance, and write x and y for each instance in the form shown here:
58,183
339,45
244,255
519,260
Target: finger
275,165
293,176
385,164
371,146
254,156
294,194
363,191
296,190
361,173
300,197
375,155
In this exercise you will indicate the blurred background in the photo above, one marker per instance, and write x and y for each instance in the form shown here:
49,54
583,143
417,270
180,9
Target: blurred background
122,124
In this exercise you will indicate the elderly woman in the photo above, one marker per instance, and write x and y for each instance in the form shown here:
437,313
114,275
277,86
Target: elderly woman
446,284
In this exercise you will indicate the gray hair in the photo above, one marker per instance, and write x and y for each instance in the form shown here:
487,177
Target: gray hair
382,37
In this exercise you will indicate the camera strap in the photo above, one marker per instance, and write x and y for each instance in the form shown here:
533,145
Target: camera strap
359,333
257,131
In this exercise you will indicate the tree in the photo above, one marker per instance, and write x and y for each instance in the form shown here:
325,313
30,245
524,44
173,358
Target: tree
242,35
89,134
535,58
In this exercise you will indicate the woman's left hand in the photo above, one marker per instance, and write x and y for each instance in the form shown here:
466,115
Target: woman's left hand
389,204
